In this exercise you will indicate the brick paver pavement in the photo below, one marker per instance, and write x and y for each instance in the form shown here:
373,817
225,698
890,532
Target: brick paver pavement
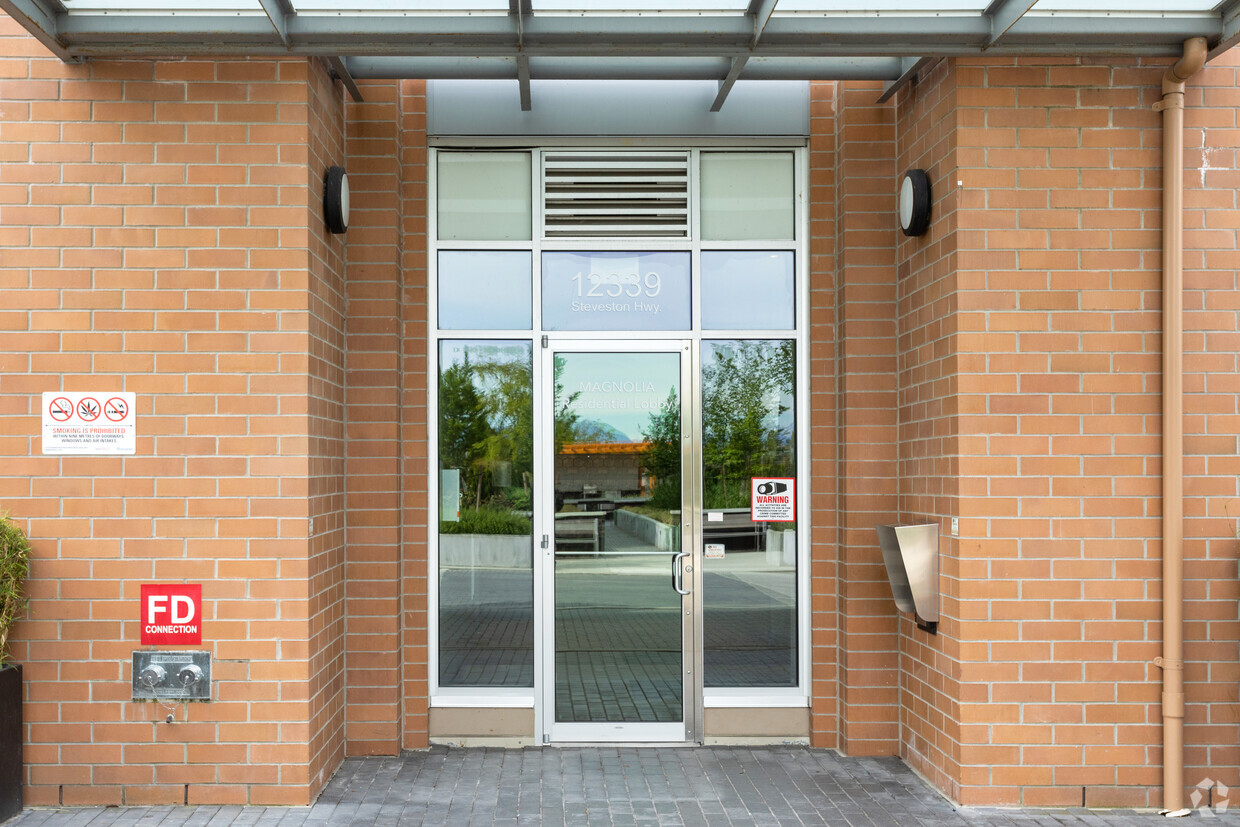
707,786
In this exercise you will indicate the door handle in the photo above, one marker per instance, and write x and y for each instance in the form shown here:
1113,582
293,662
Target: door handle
677,575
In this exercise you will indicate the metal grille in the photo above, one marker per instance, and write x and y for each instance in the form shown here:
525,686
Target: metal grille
608,194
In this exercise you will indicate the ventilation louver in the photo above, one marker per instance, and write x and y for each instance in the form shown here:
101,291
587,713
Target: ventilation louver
597,194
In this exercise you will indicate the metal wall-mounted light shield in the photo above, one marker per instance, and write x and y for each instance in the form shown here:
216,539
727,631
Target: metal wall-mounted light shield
911,554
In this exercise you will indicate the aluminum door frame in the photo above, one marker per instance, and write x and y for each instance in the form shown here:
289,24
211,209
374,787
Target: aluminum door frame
690,730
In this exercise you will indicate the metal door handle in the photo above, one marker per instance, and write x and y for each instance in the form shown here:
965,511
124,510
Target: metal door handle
677,576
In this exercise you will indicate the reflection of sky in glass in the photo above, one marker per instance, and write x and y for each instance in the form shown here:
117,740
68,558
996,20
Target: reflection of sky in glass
485,290
620,390
747,290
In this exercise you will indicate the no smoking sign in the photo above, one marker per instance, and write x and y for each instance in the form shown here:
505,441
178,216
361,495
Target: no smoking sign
89,423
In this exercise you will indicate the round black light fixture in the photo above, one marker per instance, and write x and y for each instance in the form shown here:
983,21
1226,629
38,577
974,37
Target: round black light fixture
336,200
915,202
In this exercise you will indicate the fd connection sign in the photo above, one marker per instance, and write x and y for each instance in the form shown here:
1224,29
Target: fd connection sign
89,423
171,613
772,500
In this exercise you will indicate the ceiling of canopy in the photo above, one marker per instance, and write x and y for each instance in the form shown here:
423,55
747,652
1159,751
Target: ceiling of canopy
719,40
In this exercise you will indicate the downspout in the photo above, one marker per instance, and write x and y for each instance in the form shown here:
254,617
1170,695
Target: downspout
1172,660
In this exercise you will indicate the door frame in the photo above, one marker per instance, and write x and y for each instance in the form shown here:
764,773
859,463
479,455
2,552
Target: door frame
690,730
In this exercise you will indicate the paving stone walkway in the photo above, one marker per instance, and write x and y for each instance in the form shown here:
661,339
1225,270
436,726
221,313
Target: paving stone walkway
586,786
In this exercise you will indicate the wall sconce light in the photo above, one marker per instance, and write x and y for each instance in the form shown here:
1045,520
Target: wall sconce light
915,202
336,200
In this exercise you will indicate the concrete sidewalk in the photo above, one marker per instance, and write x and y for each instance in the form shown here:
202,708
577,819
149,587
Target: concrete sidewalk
708,786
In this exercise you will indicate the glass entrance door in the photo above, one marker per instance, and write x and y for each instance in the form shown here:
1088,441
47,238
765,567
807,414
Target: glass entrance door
619,568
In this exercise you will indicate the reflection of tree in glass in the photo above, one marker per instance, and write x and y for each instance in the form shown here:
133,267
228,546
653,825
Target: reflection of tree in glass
486,413
662,454
746,389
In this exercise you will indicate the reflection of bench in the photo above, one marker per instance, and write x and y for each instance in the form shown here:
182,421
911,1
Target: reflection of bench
579,531
735,525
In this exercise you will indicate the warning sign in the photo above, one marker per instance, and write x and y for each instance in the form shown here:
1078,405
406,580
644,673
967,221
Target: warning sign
89,423
772,500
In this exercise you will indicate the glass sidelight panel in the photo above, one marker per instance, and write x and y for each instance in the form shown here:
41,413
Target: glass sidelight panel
486,543
749,567
617,538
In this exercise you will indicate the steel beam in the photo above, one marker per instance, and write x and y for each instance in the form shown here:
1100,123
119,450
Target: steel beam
910,68
278,12
523,82
550,68
1229,17
43,19
1003,15
725,85
715,36
338,69
761,11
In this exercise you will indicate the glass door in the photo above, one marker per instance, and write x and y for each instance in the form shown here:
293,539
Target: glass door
619,566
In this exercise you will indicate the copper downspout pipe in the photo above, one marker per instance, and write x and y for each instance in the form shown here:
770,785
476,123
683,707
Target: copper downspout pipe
1172,660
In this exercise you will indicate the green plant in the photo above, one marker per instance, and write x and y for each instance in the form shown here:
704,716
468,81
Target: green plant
487,521
14,569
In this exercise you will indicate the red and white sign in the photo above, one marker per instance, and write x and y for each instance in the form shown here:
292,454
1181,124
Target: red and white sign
89,423
773,499
171,613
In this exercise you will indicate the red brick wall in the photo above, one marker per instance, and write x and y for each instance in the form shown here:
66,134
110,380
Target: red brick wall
929,440
162,236
326,395
867,404
1056,320
376,239
824,566
414,431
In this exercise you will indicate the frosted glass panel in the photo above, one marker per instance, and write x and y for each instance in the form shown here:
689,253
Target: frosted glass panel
747,196
615,291
484,196
747,290
485,290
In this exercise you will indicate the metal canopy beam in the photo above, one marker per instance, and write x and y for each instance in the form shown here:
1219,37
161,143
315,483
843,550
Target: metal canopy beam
552,68
1229,16
910,67
761,11
726,36
1003,15
42,18
337,69
725,85
278,12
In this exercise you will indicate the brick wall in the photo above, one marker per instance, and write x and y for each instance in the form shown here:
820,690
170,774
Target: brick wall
161,235
824,566
867,414
1056,325
929,437
373,514
414,432
326,397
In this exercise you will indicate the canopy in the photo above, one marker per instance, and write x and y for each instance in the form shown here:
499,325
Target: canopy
721,40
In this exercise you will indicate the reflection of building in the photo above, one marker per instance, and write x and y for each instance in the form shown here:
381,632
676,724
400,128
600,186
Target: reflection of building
1000,376
597,468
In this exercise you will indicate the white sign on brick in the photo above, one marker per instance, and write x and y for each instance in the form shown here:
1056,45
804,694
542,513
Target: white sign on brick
89,423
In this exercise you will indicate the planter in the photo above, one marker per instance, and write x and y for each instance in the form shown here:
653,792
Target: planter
660,535
10,741
486,551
